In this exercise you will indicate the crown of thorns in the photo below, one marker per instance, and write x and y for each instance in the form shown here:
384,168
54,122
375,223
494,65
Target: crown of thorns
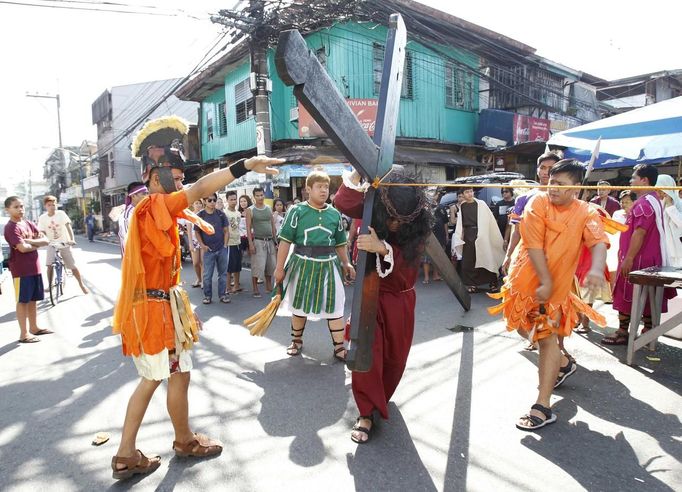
390,208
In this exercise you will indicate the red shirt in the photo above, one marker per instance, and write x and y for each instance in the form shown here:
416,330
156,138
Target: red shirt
22,264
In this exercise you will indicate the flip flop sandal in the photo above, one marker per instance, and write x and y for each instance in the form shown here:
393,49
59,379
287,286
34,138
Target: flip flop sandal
564,372
537,422
207,300
134,465
201,447
43,332
358,428
29,340
225,299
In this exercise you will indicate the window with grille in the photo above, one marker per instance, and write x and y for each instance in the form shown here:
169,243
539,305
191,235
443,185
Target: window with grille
243,101
209,123
459,93
321,55
222,119
378,67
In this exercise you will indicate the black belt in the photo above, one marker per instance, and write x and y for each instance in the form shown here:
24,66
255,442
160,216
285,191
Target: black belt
263,238
314,250
158,294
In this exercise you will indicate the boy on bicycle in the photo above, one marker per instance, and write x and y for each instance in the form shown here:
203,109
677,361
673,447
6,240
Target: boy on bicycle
56,226
24,240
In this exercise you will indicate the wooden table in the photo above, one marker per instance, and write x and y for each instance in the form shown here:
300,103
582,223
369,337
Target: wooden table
649,283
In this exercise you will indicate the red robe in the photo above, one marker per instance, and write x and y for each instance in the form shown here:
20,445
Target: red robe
395,323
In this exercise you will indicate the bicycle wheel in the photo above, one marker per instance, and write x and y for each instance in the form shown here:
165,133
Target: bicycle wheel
56,288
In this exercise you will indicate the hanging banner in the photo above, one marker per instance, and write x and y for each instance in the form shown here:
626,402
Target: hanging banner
365,111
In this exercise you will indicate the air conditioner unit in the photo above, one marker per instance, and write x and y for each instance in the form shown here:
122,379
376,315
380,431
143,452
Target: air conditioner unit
293,114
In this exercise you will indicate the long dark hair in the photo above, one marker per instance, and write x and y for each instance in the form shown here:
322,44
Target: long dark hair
411,237
239,205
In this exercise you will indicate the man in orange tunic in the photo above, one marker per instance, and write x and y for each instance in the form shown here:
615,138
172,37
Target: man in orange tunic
153,314
538,300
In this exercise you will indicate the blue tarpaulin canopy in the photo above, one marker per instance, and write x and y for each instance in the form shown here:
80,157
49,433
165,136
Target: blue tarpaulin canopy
648,135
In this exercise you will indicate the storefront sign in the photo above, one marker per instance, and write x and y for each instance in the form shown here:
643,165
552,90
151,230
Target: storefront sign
364,109
529,129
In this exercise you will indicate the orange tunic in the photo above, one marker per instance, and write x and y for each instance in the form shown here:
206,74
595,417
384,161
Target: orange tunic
151,261
560,232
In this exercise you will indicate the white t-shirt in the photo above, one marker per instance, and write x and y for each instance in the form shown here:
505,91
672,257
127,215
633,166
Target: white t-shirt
55,227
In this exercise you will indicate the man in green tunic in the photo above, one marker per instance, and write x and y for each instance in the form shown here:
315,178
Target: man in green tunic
312,278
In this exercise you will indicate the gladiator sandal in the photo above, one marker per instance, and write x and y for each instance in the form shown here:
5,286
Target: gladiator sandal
339,348
620,337
296,341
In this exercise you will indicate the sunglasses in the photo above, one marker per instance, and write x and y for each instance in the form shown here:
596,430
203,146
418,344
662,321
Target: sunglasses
209,199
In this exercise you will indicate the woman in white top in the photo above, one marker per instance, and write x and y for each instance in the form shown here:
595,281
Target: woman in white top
672,220
278,213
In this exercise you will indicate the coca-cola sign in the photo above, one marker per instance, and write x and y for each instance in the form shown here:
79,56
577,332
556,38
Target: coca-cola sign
365,111
529,129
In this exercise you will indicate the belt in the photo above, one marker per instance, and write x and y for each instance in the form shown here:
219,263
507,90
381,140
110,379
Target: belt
314,250
158,294
263,238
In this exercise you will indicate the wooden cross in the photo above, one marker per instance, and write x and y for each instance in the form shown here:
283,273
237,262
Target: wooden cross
297,65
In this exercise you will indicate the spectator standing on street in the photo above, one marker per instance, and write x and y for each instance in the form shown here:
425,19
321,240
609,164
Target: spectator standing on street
234,250
537,297
502,210
260,228
56,226
194,246
477,242
90,226
641,246
24,239
244,204
278,213
214,247
672,220
604,200
134,194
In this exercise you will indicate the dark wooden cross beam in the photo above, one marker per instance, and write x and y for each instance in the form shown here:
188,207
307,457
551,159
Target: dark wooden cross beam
297,65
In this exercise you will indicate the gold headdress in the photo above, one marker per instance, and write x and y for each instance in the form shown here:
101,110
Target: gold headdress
159,132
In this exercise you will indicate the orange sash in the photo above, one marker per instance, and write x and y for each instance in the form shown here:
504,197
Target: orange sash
131,310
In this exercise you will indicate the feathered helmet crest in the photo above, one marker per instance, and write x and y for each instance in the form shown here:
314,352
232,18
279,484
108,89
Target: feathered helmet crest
166,135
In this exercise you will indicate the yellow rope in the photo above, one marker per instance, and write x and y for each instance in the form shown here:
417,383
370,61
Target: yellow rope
378,183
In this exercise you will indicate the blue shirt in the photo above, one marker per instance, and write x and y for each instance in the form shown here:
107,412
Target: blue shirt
218,220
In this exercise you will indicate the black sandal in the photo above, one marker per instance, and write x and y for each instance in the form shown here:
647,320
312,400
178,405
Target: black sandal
358,428
537,422
296,345
565,372
338,346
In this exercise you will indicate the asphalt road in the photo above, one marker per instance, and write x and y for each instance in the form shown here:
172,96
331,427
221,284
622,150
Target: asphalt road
285,421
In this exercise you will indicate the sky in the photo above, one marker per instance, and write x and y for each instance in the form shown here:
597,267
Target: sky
79,55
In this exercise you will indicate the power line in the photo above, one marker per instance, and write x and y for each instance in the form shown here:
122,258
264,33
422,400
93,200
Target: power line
102,7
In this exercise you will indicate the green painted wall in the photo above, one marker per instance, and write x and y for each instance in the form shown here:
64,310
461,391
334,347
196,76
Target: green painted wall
349,51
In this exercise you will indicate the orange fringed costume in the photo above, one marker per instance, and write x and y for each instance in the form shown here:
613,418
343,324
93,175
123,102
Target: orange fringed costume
560,232
151,261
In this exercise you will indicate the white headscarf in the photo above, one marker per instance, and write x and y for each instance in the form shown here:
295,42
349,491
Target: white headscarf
665,180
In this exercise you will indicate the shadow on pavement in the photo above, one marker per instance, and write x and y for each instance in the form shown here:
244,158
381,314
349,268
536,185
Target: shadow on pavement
458,454
595,461
406,470
322,403
9,347
49,412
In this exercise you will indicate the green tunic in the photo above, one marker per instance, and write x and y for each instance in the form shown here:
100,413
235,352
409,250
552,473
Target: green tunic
314,288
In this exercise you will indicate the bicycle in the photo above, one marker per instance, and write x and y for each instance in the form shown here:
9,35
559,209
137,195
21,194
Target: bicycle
57,279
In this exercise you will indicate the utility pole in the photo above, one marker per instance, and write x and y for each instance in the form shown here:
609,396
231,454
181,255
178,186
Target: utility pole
59,117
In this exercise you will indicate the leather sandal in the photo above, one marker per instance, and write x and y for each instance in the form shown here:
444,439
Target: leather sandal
296,342
533,422
358,428
339,348
620,337
134,465
201,446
